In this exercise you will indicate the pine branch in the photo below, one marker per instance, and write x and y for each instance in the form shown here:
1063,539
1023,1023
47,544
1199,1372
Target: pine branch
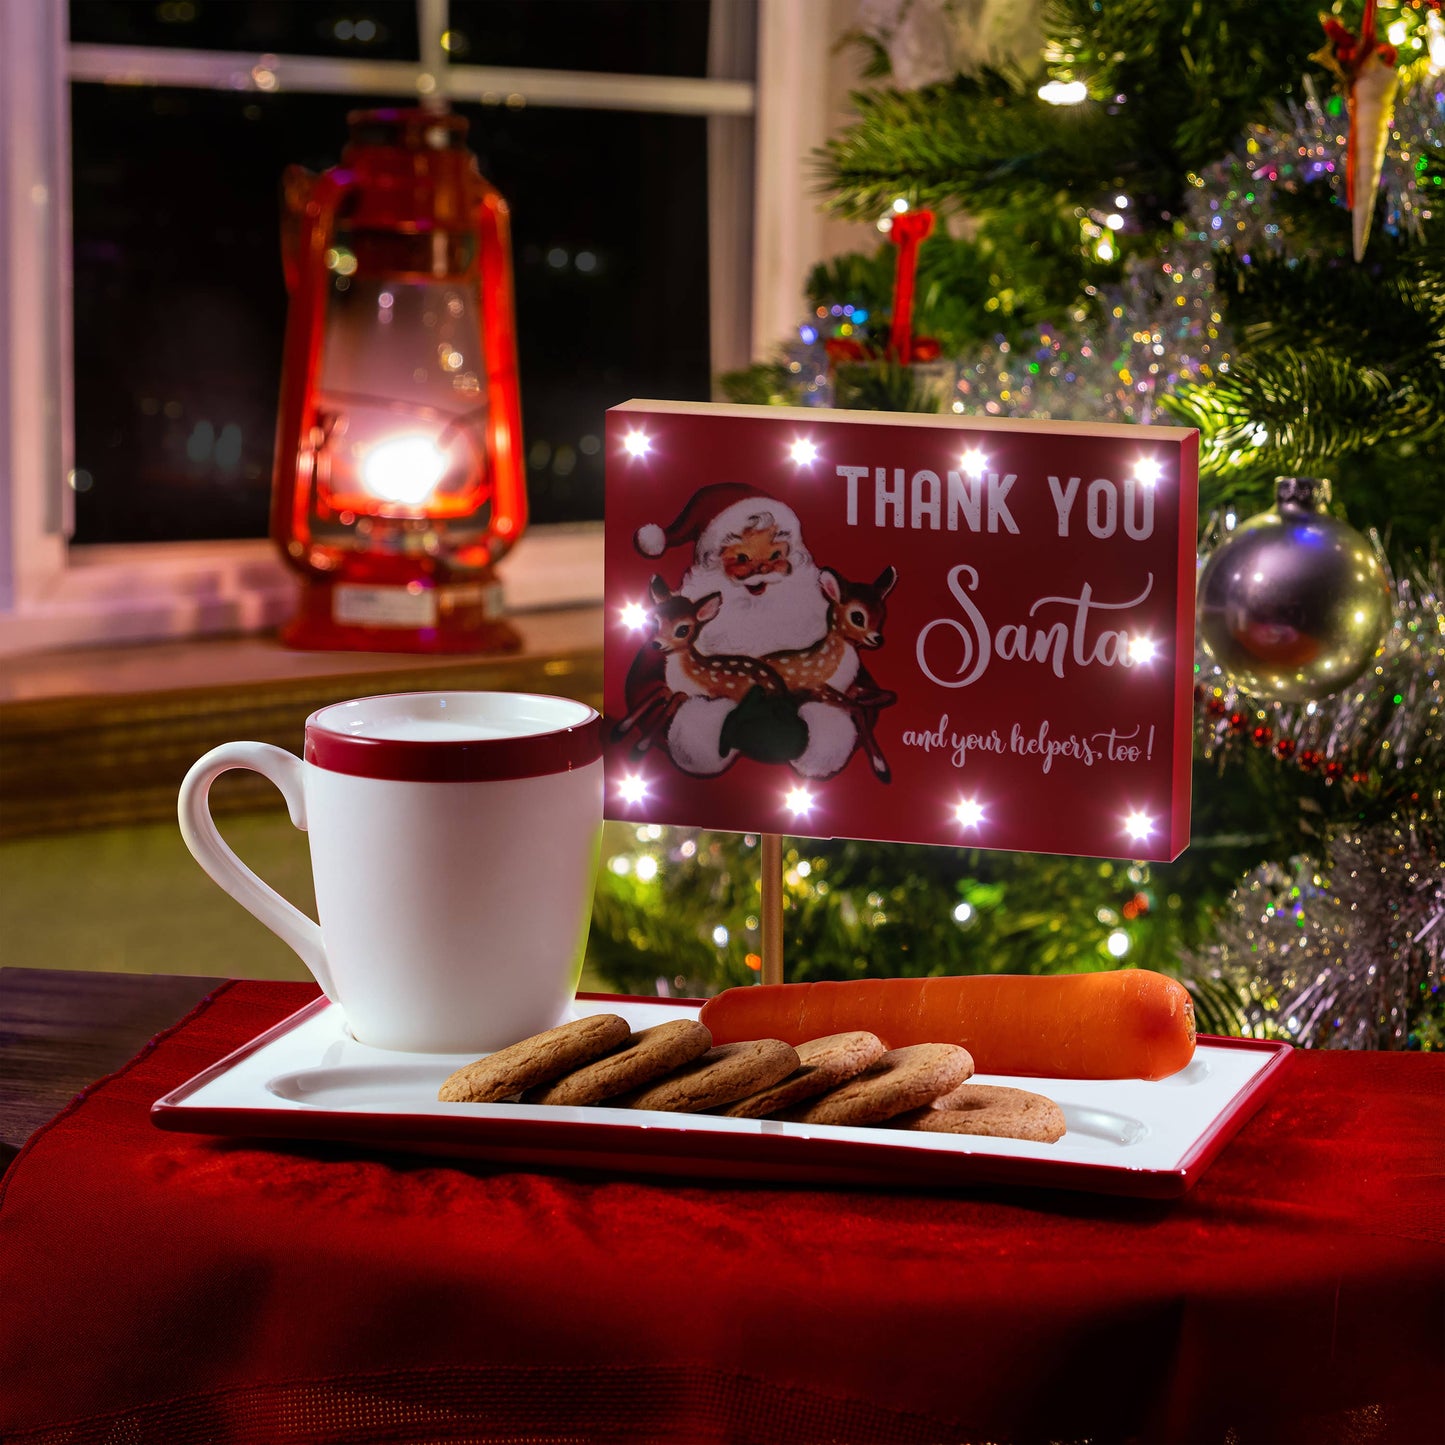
1389,314
1172,84
766,383
1197,72
978,143
882,386
1315,405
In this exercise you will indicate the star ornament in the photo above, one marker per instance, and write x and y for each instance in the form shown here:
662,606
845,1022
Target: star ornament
803,452
637,443
1138,826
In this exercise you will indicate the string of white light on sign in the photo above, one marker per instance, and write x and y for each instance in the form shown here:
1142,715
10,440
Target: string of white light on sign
968,812
632,789
1148,471
799,802
973,463
1138,826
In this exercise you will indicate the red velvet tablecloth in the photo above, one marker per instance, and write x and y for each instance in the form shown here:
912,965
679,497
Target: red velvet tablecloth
157,1287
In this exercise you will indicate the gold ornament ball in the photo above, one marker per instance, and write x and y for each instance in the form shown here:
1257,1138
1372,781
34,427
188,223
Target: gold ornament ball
1294,603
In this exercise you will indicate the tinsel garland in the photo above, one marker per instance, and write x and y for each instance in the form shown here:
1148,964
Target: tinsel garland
1341,953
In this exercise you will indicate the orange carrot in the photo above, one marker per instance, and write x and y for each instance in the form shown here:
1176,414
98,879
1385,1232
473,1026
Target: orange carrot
1126,1024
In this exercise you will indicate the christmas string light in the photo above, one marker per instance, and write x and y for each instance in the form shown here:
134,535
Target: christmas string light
1064,92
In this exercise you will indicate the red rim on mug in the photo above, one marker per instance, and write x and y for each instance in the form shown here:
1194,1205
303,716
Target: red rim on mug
454,737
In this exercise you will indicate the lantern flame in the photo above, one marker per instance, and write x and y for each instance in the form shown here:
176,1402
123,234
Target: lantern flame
403,470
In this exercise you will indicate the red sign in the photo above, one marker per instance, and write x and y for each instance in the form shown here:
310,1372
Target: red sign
920,629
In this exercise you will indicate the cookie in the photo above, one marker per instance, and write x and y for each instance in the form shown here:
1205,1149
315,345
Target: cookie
723,1074
901,1080
534,1061
823,1064
643,1059
992,1110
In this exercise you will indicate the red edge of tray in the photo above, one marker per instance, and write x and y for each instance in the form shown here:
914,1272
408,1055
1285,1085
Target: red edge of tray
680,1152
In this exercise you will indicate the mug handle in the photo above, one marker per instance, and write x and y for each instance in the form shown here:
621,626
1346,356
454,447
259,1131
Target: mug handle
211,851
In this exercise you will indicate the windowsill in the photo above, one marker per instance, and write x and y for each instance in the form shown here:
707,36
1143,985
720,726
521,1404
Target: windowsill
102,736
204,666
100,597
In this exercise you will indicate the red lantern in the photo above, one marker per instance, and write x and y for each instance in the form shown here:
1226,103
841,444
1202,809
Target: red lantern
399,477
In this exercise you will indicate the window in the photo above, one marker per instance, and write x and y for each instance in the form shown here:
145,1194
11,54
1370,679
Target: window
135,432
180,307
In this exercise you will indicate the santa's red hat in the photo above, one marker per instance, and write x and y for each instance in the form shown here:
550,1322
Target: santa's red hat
711,514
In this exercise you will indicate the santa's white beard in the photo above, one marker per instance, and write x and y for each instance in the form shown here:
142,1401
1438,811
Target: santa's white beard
792,612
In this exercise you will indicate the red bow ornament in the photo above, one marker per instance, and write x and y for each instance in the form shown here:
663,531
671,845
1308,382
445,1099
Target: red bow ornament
909,230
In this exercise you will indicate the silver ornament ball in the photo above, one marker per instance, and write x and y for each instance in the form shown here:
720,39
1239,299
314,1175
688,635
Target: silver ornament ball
1294,603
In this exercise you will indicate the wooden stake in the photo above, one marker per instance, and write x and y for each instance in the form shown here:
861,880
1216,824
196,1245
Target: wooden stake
772,907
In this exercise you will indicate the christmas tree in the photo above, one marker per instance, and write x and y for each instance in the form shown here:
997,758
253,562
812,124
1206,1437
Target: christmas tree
1223,216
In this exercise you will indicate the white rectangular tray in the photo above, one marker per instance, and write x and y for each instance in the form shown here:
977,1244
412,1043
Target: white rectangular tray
308,1078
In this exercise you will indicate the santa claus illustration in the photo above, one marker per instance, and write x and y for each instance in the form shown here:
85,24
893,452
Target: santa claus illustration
749,549
746,548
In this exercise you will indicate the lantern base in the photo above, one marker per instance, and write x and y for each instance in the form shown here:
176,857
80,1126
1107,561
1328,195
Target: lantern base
361,617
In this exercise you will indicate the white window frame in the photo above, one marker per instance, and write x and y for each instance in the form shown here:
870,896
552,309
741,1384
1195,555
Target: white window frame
764,231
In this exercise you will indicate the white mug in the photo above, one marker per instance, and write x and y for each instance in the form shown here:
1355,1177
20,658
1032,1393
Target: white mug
454,841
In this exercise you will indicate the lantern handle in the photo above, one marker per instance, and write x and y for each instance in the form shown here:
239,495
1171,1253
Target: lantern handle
211,851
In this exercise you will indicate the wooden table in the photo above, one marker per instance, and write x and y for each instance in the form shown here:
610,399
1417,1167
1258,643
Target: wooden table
61,1030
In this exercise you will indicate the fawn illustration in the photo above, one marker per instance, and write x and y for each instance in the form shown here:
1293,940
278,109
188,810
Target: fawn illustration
828,670
676,622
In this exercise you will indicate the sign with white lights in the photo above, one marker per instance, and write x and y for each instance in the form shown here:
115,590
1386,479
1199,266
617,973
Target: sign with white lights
921,629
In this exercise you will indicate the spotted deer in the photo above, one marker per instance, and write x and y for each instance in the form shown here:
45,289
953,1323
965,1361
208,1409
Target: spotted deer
828,670
676,622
